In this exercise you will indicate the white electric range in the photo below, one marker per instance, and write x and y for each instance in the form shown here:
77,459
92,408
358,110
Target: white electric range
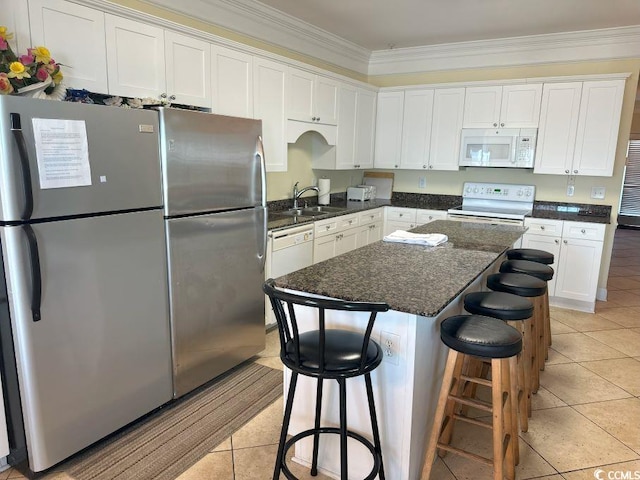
501,203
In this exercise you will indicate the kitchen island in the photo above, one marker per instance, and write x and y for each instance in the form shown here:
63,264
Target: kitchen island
422,285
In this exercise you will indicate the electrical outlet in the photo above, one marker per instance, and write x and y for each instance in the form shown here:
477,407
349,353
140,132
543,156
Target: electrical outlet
390,343
422,182
570,190
597,192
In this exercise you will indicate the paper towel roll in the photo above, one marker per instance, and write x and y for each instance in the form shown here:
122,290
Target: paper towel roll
324,185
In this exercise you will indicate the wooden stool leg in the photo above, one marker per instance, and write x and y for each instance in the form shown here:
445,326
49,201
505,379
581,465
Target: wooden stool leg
497,379
535,335
452,408
447,381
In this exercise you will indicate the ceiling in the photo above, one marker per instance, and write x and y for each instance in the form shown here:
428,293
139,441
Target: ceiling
384,24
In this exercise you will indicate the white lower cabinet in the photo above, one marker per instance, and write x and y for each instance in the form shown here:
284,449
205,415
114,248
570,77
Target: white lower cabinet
401,218
426,216
335,236
577,248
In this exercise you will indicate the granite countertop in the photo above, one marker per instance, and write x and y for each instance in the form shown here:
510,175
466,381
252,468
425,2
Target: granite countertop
409,278
575,212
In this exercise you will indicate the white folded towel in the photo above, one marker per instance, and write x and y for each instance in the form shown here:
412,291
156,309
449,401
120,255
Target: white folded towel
429,239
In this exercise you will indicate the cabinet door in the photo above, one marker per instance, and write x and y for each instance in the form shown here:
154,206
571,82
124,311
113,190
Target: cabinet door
269,81
548,244
347,241
300,95
324,248
326,100
375,232
345,141
135,58
365,128
520,106
482,107
231,82
75,35
448,108
558,128
188,63
578,269
388,142
416,129
598,124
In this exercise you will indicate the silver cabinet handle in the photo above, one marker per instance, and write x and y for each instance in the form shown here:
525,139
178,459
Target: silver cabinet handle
566,171
430,166
495,124
557,241
424,166
502,124
565,242
542,227
583,231
172,97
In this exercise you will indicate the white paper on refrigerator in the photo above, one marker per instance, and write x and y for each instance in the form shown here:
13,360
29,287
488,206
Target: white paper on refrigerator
62,151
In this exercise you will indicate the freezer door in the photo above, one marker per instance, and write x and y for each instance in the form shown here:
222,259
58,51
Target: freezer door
217,305
100,356
209,162
122,152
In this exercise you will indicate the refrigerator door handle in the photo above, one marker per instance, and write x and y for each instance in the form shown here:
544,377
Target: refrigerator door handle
16,128
36,277
263,169
263,176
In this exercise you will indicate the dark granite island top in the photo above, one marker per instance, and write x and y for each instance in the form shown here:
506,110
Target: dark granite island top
410,278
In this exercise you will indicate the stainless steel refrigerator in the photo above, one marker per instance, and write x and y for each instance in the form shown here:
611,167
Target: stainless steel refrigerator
84,321
216,224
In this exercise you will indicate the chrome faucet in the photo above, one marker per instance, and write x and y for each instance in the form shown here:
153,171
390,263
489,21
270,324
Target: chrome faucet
297,193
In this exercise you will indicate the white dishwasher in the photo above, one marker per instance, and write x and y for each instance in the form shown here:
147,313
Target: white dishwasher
288,250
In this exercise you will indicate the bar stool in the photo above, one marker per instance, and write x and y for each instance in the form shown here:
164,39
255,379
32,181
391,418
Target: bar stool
543,272
531,254
470,336
533,288
326,354
517,312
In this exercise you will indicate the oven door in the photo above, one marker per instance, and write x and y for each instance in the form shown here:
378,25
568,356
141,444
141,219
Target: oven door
488,148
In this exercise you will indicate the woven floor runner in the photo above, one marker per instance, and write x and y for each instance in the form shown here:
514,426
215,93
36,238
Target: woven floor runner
169,441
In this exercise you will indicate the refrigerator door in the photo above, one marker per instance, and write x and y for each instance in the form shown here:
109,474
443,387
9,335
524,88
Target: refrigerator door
100,357
77,145
216,270
209,162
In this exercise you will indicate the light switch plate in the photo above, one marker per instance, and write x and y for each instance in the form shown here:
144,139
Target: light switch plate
597,192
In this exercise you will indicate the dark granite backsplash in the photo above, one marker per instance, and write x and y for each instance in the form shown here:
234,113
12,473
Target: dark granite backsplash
572,211
426,200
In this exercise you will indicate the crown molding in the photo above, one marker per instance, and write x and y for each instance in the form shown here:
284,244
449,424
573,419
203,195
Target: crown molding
266,24
567,47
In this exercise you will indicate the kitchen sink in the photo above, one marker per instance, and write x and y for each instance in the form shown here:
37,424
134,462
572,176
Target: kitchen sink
299,212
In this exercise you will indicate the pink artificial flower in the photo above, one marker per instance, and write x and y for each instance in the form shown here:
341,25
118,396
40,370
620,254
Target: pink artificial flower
42,74
3,44
26,59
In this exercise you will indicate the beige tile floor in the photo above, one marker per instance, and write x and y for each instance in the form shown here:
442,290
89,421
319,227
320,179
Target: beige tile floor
586,413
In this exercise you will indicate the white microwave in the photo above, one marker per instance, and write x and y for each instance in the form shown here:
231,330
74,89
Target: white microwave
498,147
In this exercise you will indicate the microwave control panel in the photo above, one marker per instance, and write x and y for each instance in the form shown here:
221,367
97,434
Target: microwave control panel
525,150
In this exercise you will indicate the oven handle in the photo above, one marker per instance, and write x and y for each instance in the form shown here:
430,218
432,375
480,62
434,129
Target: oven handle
476,219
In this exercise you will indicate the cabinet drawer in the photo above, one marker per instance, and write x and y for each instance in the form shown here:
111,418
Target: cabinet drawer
583,230
426,216
398,214
370,216
541,226
326,227
347,221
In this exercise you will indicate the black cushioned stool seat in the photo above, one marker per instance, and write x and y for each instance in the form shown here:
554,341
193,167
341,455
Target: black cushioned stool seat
490,338
543,272
324,353
518,311
534,289
531,254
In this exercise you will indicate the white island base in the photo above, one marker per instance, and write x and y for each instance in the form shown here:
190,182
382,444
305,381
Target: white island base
406,387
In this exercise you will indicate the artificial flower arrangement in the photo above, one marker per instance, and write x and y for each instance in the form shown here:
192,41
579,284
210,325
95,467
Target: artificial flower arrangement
36,66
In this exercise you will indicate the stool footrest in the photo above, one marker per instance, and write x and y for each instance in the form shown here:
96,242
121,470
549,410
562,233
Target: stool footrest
464,453
473,421
472,403
478,380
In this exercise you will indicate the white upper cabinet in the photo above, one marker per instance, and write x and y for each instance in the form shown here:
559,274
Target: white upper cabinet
311,97
346,131
448,108
231,82
579,124
416,129
135,58
75,35
365,128
269,87
509,106
598,125
388,141
188,69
